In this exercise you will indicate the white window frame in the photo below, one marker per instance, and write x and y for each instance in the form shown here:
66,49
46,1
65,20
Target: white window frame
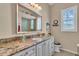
75,20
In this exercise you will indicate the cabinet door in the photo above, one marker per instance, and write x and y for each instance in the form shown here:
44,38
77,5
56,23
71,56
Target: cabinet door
39,49
28,52
51,46
46,48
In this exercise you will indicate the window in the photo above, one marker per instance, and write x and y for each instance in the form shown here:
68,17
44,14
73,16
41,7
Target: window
69,19
32,23
39,24
24,24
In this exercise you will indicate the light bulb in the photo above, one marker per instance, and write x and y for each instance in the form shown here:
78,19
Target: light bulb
35,6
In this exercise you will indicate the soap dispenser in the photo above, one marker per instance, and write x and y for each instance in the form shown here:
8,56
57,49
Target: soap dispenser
23,38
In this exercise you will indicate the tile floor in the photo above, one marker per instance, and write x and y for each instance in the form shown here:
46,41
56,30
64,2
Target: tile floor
63,53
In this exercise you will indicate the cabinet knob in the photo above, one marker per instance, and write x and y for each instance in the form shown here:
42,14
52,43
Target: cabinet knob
26,53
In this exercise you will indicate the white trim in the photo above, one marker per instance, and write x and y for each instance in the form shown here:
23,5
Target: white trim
75,21
69,51
17,17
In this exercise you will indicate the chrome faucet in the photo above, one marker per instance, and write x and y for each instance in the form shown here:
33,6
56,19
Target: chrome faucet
23,38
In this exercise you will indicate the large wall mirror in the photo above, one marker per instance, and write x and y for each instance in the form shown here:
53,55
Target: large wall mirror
27,21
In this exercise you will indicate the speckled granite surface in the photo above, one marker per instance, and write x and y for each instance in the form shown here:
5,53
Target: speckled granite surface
11,47
14,46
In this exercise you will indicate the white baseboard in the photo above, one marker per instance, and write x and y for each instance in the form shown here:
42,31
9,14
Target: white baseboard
69,51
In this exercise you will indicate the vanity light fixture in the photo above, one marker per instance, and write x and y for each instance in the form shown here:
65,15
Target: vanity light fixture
35,6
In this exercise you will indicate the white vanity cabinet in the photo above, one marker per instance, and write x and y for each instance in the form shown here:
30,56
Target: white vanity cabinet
39,49
27,52
51,46
44,48
31,51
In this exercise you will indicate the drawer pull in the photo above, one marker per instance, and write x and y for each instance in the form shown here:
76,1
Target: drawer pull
26,53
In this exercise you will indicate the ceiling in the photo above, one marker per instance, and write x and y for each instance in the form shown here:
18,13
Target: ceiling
50,4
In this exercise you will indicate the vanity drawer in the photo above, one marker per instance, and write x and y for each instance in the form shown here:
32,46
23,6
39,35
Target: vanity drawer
28,52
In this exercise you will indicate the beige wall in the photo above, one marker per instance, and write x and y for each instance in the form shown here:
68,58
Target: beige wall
5,19
8,18
45,15
68,40
14,17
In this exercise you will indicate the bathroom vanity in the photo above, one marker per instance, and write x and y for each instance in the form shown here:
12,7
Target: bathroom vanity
43,47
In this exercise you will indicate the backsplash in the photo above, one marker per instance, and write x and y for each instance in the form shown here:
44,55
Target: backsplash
20,37
9,39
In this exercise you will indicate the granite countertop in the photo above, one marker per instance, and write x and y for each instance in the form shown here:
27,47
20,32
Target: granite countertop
10,48
14,46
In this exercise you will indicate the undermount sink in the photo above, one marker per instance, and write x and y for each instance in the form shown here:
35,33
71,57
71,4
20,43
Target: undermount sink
37,39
